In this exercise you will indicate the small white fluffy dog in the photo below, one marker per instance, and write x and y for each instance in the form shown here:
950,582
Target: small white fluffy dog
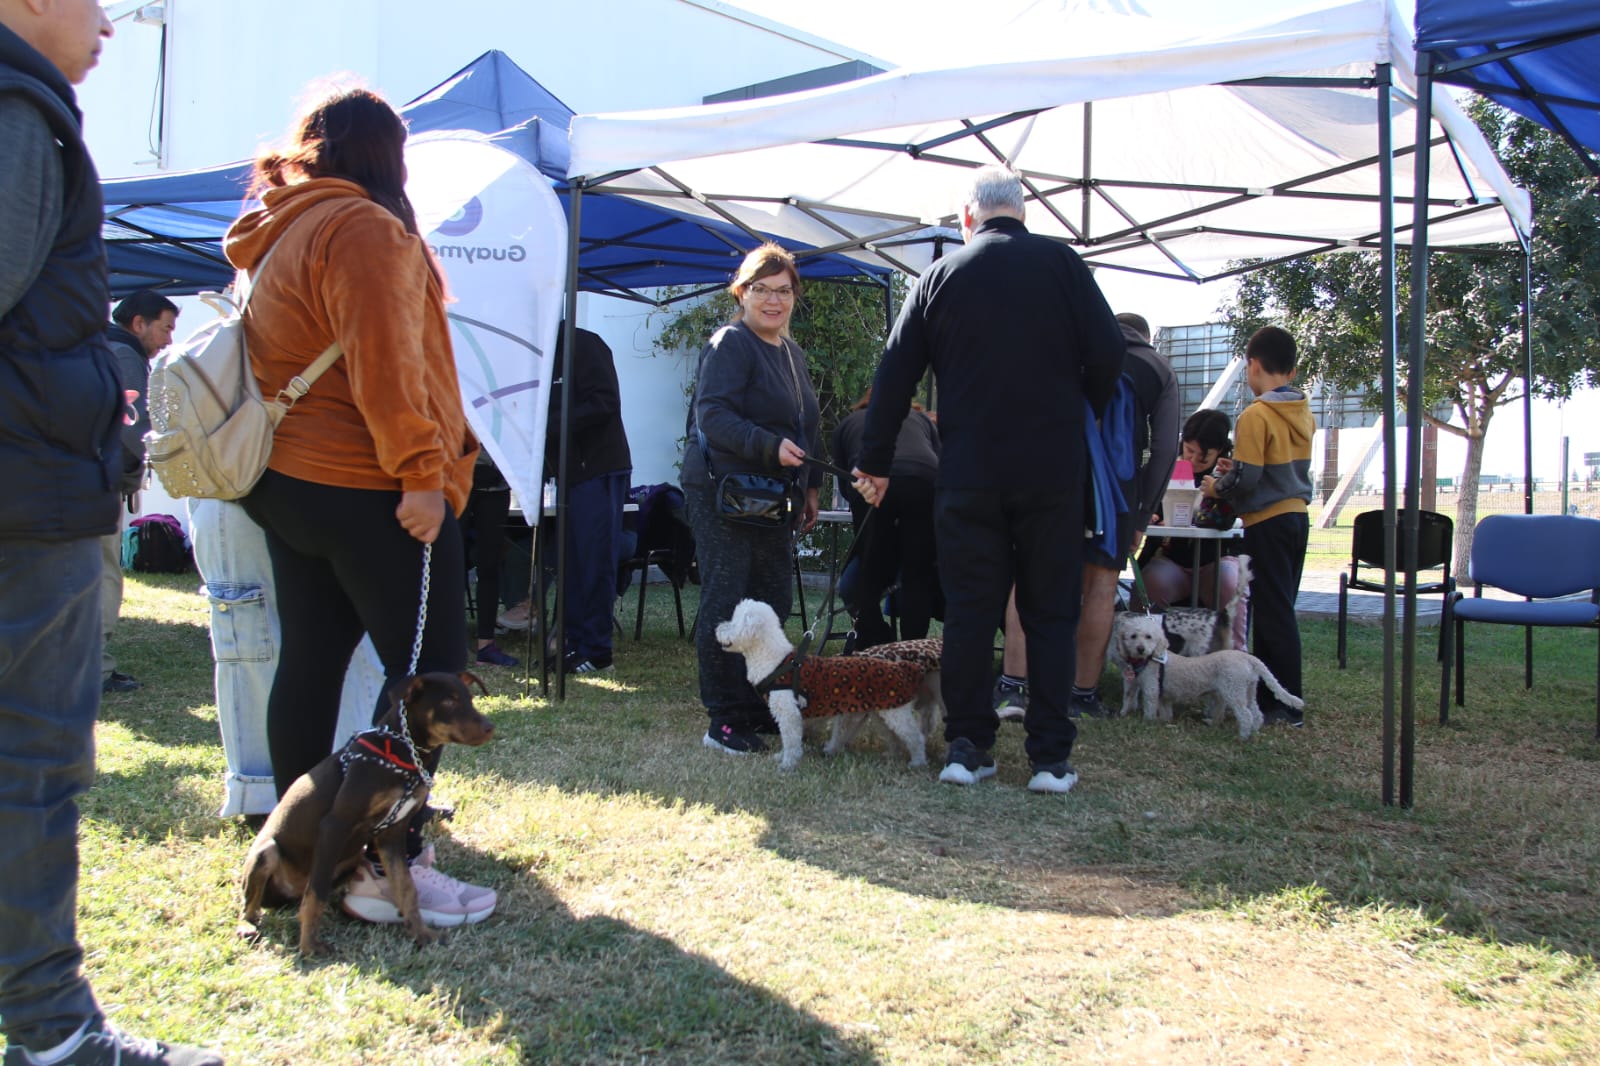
847,688
1157,681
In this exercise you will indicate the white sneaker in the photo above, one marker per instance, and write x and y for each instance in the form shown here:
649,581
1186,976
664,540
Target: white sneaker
518,618
1057,777
442,900
964,764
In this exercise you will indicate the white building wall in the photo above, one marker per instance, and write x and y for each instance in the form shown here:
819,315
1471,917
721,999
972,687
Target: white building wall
239,69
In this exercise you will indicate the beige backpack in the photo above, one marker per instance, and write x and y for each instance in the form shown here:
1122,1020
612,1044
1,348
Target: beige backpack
210,430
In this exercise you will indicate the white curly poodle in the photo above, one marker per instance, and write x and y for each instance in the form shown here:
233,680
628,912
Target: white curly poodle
846,688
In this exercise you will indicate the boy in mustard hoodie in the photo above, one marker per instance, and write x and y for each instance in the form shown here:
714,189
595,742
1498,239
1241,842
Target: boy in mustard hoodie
1268,483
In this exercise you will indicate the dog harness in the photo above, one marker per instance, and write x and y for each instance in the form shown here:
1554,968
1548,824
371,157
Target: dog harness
394,753
844,684
1161,675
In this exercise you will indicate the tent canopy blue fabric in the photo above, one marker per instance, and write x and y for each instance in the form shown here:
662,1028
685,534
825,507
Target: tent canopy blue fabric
1539,59
165,232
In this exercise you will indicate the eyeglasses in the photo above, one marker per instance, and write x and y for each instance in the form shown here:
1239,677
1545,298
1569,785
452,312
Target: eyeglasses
761,292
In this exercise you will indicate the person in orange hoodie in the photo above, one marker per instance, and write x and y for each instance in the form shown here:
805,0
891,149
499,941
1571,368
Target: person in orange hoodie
374,462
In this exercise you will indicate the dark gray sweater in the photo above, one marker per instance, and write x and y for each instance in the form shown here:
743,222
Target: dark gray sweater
749,395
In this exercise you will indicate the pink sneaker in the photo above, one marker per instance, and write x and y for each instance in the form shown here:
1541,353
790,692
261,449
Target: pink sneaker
443,900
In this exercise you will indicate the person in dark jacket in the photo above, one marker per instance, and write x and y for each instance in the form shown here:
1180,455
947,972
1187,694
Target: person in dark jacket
59,418
899,544
1154,447
753,411
141,326
1019,337
598,468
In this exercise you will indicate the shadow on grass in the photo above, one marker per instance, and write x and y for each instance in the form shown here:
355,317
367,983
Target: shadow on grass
1166,817
158,801
560,987
176,704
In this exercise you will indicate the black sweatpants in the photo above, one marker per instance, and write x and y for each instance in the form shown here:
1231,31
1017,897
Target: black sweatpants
899,545
1277,550
736,562
344,567
987,540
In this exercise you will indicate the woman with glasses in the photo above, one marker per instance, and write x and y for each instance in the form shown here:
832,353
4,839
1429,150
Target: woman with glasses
753,412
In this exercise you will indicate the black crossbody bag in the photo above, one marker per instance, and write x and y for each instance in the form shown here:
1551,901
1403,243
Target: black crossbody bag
754,499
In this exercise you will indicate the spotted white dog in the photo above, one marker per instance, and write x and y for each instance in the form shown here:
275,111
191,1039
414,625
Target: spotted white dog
846,688
1197,630
1224,681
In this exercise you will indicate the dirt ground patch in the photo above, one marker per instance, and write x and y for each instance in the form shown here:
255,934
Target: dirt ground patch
1215,987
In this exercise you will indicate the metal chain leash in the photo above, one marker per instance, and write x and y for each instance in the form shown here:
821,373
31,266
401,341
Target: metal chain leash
416,655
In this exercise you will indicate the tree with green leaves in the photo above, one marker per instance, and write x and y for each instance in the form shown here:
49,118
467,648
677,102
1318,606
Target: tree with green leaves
1333,304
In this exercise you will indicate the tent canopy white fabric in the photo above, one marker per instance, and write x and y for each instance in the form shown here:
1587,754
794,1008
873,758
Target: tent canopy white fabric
1168,146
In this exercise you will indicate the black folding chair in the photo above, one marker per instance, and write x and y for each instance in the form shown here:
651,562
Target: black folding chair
1435,542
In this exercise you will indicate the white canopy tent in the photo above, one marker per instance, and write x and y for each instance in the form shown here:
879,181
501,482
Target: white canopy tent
1169,146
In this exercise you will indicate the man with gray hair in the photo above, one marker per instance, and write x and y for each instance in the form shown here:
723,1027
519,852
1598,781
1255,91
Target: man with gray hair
1019,337
59,446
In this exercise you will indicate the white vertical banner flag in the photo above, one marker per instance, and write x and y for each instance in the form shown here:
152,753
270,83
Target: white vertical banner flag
499,233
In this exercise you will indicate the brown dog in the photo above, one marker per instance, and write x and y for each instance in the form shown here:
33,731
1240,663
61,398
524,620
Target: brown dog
366,791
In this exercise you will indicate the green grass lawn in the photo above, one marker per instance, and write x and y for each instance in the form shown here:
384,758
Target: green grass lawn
1195,899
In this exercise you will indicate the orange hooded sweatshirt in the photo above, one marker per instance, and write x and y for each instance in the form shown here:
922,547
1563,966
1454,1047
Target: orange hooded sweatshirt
388,413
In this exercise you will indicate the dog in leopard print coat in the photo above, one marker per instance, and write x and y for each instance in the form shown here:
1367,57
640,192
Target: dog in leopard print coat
844,688
926,652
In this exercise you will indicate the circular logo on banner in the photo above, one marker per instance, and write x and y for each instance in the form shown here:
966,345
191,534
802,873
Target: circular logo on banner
463,221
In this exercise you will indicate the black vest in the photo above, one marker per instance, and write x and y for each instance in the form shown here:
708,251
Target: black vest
59,400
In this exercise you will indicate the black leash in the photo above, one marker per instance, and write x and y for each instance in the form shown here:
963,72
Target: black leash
826,613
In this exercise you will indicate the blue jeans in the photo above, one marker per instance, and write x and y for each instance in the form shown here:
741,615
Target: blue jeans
594,537
49,697
230,551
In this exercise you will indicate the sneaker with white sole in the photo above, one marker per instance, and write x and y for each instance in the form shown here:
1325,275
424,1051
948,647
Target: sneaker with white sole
575,663
516,619
1054,777
108,1045
964,764
1010,704
442,900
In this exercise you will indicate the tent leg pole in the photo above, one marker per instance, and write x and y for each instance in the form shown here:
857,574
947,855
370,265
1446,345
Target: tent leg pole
1414,420
1527,381
569,346
1390,347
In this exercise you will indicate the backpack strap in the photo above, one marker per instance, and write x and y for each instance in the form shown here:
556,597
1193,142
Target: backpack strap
301,383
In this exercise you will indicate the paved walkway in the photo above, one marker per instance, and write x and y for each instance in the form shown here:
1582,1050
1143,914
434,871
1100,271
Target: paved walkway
1319,598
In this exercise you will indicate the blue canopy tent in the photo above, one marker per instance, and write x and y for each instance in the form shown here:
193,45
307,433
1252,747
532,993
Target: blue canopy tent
1539,60
165,232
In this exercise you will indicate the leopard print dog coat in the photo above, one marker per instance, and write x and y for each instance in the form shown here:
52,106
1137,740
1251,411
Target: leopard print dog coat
925,652
848,684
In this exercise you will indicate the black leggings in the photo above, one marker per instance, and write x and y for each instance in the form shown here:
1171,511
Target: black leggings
344,567
487,510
